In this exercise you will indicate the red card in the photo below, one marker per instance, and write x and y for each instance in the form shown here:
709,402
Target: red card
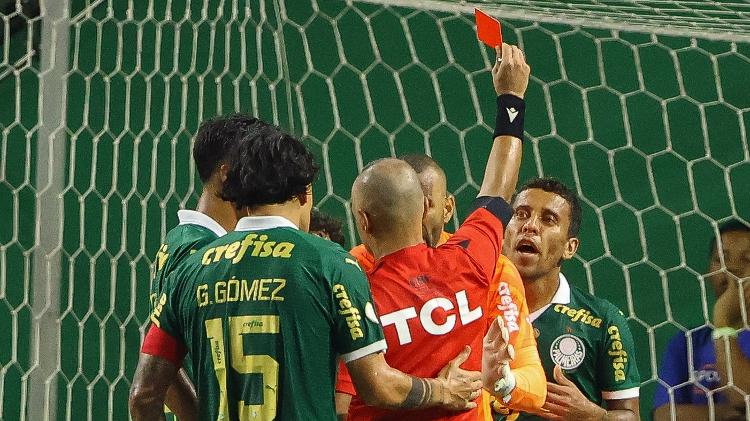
488,29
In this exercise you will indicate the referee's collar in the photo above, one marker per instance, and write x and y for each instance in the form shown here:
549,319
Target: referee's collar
257,223
186,216
562,296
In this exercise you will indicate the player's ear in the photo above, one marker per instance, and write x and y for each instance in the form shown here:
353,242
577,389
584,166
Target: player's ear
571,246
449,209
222,172
305,197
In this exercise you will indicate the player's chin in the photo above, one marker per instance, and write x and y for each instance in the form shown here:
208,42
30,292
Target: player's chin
525,259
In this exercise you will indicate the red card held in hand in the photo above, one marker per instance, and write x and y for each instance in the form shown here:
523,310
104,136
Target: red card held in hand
488,29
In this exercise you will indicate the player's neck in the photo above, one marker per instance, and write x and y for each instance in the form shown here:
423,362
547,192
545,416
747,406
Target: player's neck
539,292
289,210
219,210
392,243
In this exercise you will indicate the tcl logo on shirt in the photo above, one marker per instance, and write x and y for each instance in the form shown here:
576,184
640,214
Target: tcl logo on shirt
455,310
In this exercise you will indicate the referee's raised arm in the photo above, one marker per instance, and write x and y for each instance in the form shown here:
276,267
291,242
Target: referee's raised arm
510,76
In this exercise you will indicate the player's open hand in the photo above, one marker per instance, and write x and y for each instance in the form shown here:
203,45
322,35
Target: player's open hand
497,354
461,387
565,402
453,369
510,74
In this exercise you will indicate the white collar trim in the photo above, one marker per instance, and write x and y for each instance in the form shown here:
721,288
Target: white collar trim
257,223
187,216
562,296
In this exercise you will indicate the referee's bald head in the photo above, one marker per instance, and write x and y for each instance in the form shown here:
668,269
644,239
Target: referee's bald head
389,192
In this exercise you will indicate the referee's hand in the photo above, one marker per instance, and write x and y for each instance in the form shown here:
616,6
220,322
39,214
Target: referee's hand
510,74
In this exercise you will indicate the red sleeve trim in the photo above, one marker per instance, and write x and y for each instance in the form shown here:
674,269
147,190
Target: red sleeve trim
159,343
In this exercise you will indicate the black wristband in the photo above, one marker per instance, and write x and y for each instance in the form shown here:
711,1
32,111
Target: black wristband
510,113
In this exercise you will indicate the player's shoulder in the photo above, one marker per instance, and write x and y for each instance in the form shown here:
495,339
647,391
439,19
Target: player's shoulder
189,236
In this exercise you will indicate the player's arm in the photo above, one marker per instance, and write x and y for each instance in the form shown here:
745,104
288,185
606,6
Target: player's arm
382,386
510,78
157,368
530,389
153,376
181,398
619,379
623,409
344,392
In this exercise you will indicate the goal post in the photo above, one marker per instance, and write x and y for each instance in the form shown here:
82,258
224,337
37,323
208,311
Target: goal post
641,106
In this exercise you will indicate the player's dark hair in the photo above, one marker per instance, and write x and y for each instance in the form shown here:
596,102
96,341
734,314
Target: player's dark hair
270,167
421,162
322,222
551,185
733,225
217,140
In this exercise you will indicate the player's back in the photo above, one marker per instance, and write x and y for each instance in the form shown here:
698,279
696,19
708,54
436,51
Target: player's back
258,314
430,302
179,243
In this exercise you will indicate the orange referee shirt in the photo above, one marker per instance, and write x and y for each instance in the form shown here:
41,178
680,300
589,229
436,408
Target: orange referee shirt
506,298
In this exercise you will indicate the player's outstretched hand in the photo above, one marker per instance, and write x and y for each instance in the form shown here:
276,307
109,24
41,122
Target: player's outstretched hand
461,386
565,402
497,355
510,75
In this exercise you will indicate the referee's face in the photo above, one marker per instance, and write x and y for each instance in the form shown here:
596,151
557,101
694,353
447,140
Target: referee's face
536,238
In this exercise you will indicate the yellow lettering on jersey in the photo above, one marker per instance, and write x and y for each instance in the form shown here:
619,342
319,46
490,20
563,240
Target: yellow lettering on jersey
234,290
259,246
351,314
158,309
579,315
161,257
617,353
232,250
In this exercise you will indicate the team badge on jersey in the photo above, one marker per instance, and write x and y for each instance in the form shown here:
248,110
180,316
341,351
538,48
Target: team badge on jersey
567,351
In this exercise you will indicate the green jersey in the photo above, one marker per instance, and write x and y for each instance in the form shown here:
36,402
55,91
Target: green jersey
589,338
194,231
264,312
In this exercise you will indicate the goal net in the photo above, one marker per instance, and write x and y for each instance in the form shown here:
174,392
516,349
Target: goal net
641,105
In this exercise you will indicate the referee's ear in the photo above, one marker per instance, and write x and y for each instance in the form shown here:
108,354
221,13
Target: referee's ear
363,221
449,209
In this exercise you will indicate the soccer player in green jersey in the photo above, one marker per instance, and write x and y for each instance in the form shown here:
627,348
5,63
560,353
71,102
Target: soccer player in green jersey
216,141
265,311
584,341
